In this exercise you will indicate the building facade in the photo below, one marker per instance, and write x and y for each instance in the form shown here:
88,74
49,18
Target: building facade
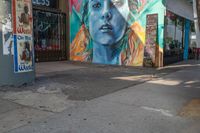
152,32
149,33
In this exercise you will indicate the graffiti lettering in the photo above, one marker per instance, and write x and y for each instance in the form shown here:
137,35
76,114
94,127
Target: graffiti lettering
22,30
24,67
43,27
41,2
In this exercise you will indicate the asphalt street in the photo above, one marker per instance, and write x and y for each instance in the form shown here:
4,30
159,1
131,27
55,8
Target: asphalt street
70,97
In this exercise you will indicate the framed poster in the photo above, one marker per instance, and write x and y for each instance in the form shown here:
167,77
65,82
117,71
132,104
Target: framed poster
22,31
151,40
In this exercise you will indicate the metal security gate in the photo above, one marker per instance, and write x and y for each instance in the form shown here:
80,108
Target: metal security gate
49,35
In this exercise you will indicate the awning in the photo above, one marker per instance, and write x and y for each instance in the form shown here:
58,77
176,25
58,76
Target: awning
183,8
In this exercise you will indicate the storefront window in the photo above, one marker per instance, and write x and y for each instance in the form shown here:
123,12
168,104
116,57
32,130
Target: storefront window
50,30
46,29
174,33
179,32
170,31
174,36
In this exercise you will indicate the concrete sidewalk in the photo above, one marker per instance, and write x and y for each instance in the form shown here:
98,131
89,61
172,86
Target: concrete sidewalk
105,99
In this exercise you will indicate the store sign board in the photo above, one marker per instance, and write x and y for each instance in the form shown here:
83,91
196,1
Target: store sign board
22,31
47,3
151,40
41,2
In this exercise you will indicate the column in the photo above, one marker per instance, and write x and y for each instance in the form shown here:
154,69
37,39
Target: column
186,38
11,73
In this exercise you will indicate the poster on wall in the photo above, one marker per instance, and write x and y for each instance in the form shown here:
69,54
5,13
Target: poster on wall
23,40
22,17
23,53
6,23
151,40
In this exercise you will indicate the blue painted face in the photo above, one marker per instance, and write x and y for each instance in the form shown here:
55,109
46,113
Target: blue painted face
107,20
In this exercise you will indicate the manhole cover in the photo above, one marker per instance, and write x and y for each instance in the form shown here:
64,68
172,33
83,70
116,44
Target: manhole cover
192,109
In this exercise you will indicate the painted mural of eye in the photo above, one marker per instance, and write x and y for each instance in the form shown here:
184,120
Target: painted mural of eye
134,5
96,5
117,3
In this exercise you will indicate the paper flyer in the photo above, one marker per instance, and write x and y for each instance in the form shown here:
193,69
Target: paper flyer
23,40
24,52
7,29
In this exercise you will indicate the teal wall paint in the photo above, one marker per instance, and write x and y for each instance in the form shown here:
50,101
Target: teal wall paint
82,49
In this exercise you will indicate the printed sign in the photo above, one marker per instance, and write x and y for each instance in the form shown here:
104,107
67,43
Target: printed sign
23,53
151,40
6,22
23,41
23,17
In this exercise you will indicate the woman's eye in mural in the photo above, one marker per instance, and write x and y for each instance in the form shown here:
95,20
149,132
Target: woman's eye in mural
117,3
134,4
96,5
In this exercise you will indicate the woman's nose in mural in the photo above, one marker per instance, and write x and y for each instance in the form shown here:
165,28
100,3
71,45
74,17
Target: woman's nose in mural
106,15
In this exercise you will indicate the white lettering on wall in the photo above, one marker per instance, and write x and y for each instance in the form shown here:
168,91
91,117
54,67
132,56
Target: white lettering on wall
41,2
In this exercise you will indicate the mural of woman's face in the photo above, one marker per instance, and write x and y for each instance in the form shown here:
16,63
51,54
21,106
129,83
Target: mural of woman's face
107,20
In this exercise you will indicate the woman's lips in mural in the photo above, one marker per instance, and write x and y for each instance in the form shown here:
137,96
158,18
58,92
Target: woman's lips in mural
106,28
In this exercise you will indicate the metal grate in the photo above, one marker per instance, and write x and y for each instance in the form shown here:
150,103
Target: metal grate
49,36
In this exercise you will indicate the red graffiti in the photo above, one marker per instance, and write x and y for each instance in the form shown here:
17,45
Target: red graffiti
22,30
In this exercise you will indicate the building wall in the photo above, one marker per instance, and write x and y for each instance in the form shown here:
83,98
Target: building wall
122,41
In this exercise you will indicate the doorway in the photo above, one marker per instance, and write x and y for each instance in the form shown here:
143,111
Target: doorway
49,28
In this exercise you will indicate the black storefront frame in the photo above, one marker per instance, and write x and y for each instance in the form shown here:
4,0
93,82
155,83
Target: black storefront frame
55,54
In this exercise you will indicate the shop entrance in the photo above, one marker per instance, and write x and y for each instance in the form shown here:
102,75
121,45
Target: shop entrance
49,35
174,38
